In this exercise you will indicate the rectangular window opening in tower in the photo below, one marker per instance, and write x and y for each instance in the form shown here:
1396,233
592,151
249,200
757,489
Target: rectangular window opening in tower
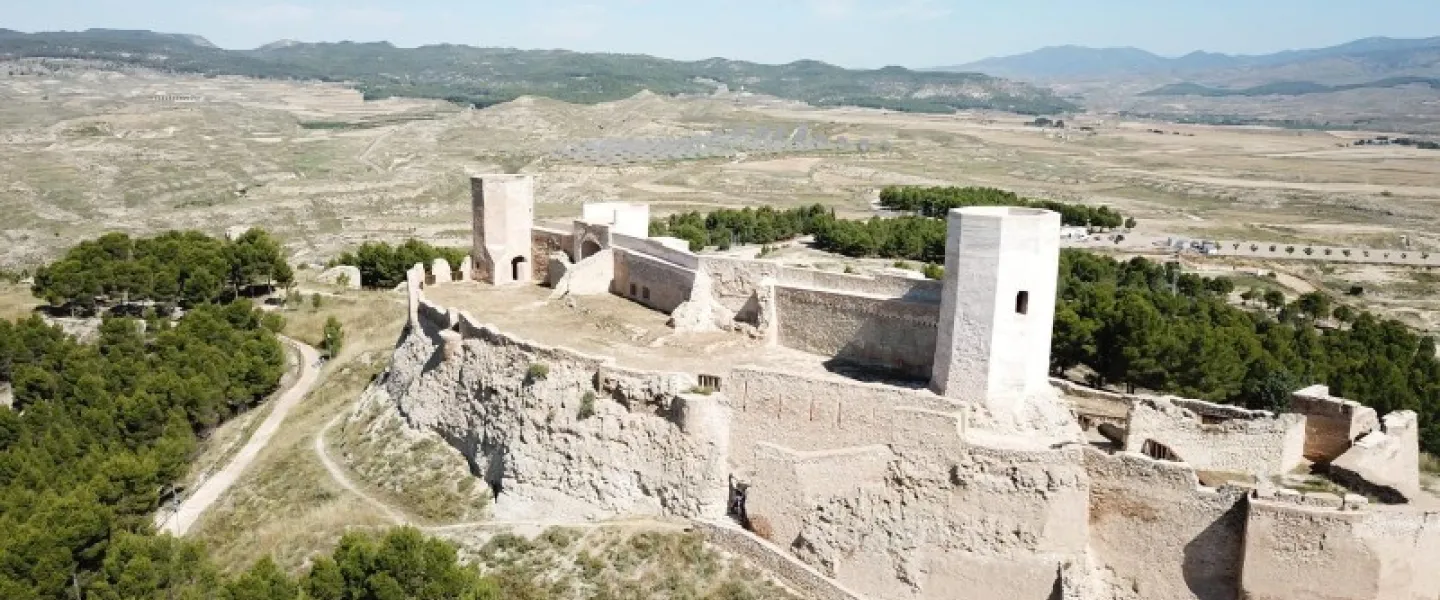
1022,303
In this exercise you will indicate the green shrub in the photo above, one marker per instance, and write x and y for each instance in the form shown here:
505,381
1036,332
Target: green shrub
587,405
537,372
702,390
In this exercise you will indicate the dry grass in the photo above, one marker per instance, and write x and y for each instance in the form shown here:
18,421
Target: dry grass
16,302
414,471
286,505
615,563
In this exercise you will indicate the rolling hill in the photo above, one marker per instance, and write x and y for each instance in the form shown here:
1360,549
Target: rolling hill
1359,61
485,76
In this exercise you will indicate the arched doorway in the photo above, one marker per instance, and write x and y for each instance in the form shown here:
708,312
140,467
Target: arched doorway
516,265
588,249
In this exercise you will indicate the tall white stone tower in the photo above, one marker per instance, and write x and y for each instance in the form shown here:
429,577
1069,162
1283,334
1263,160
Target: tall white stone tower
503,209
998,306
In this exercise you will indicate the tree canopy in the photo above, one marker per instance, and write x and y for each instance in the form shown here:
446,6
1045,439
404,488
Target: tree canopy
100,430
186,268
937,202
383,266
1143,324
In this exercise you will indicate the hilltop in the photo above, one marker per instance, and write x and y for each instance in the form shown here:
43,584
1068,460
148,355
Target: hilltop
487,76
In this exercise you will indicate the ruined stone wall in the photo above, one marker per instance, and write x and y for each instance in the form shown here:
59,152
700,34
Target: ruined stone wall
1331,424
591,276
1298,551
813,413
545,241
512,408
1252,442
655,283
775,561
952,517
734,282
886,333
1160,534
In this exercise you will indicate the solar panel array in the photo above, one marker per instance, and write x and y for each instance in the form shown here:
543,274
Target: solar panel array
720,144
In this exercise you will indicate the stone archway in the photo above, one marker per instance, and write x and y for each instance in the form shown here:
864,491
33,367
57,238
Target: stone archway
588,248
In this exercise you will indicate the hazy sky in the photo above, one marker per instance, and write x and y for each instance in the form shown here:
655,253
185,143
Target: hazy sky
857,33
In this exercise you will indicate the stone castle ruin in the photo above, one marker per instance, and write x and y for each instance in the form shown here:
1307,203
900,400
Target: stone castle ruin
882,436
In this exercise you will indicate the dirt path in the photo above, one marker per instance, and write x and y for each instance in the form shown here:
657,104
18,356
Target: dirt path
398,517
192,507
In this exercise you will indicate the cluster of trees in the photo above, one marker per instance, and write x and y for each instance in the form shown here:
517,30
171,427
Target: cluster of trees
383,266
183,268
98,432
724,227
907,238
937,202
398,564
1147,325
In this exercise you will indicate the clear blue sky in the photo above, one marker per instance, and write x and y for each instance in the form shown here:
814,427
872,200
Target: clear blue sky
856,33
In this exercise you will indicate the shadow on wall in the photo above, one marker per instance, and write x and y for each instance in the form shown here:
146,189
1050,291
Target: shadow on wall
882,345
1212,562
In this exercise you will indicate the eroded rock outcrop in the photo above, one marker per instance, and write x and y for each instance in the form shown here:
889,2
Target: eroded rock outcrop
555,432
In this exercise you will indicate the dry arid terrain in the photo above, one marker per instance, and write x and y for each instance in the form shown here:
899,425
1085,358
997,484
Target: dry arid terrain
90,150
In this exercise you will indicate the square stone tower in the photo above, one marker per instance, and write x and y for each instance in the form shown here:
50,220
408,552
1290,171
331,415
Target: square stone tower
997,306
504,213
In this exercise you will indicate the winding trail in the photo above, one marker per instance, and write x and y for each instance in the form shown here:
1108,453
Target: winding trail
195,504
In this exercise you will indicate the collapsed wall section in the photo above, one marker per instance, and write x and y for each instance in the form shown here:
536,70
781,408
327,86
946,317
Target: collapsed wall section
554,430
885,333
1331,423
1154,527
1215,437
545,242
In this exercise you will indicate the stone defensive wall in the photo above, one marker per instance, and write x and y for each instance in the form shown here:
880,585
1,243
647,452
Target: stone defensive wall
1216,437
795,574
1331,424
815,413
880,284
1152,524
893,334
514,409
545,241
652,247
1339,551
659,284
1274,250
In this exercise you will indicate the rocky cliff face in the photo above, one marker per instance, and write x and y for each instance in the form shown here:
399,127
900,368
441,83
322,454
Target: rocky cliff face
557,433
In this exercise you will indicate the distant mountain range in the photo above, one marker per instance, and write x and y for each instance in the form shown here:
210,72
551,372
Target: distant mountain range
484,76
1360,61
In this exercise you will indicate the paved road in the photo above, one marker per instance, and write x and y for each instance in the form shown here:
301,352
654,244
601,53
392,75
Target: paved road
214,487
